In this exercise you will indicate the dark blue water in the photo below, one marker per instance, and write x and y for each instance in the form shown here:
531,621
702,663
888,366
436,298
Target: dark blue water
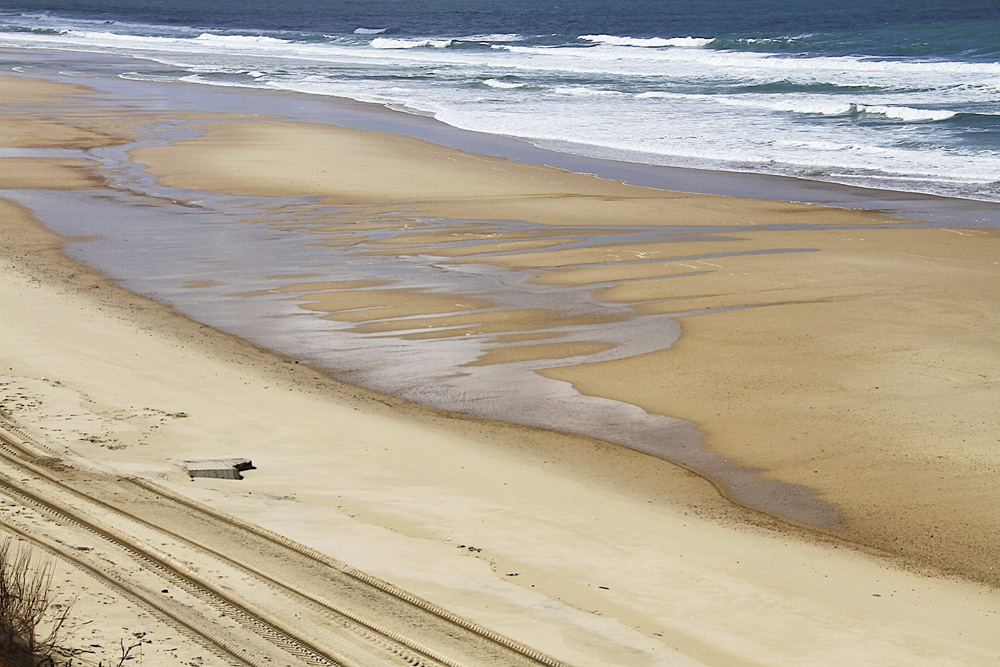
891,27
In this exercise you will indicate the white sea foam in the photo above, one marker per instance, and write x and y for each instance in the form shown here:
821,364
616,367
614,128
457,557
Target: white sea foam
503,37
85,37
809,105
609,59
682,101
390,43
496,83
831,106
830,147
907,113
195,78
46,21
649,42
370,31
774,40
240,41
586,91
142,76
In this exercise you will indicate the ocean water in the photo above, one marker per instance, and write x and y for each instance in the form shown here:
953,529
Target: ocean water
899,94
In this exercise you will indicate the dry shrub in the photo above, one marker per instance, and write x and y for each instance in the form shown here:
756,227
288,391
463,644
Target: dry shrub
29,625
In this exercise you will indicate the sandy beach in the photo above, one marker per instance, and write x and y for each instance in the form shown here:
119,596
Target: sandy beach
835,351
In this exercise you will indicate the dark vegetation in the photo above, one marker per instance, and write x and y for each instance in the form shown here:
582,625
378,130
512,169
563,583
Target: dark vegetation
31,623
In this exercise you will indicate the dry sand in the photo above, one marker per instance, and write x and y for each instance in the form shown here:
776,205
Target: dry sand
590,552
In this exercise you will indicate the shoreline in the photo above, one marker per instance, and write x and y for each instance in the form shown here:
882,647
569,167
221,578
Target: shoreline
354,114
622,525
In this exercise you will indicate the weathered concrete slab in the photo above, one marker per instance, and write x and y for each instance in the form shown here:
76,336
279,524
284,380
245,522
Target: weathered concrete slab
223,468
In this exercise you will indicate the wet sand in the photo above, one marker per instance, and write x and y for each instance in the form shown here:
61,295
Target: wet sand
858,361
853,359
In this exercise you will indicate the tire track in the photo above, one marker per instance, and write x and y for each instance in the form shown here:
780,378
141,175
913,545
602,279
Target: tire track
210,640
19,449
211,594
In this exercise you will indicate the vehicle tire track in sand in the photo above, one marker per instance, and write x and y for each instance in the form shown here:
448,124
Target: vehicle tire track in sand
210,640
176,575
149,509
